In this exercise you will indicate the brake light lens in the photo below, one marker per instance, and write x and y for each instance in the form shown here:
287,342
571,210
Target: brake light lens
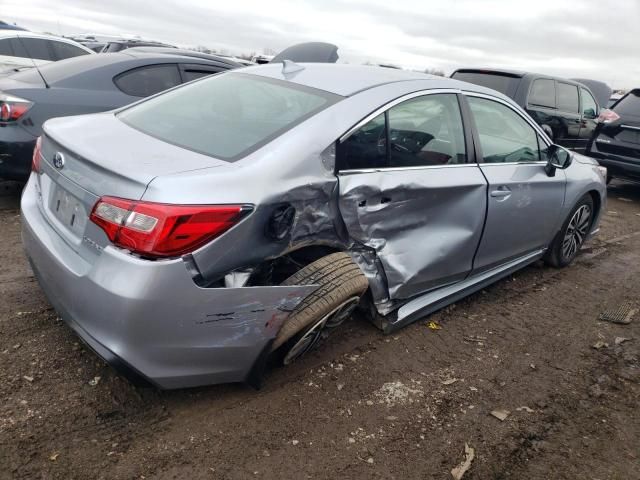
159,230
12,107
608,116
37,151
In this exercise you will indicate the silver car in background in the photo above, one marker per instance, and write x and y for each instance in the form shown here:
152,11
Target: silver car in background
189,237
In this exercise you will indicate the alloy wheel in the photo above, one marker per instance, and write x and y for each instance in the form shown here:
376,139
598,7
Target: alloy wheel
576,232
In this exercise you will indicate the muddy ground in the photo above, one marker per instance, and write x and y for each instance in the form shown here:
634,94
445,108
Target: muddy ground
364,405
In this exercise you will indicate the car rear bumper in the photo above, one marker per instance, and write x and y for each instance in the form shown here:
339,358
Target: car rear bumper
617,165
16,152
149,319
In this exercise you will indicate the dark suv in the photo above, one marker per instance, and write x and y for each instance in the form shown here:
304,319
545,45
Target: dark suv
565,109
616,139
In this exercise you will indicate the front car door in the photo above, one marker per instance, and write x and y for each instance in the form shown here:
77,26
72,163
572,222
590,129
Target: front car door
590,111
410,191
523,201
569,111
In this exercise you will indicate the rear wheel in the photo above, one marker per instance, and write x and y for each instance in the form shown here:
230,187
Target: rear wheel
341,285
571,236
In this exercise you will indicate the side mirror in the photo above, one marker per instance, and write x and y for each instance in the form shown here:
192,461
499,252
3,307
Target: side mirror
558,157
590,113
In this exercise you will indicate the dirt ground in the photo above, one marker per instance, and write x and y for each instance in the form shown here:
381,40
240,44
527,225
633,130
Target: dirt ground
364,405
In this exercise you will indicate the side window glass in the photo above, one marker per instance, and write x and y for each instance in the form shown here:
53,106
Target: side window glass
543,93
366,147
504,135
426,131
64,50
568,98
38,48
145,81
5,48
18,48
589,105
192,72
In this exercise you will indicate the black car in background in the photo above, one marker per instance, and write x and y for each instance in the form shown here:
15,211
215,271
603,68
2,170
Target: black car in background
87,84
565,109
615,143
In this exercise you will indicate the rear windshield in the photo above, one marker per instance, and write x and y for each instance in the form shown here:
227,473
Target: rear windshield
629,104
55,72
226,116
506,84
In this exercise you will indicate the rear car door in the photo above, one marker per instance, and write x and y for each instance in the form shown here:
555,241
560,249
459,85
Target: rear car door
568,111
523,201
410,190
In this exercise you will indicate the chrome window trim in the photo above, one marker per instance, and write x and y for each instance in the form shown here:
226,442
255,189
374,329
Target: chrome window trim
393,103
630,127
400,169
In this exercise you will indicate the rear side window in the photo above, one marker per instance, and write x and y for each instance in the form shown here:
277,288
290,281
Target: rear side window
227,116
629,104
543,93
18,48
64,50
506,84
193,72
504,135
38,48
568,98
426,131
146,81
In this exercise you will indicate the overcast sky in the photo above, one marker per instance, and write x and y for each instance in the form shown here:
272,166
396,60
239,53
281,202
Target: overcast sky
574,38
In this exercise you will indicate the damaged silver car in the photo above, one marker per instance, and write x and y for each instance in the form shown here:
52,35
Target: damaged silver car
195,234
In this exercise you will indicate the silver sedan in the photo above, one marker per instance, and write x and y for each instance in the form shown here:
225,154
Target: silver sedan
195,234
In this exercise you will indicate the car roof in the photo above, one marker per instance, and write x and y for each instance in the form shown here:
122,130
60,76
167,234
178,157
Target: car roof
347,80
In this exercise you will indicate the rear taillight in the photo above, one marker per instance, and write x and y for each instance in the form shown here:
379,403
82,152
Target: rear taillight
162,230
608,116
37,151
12,107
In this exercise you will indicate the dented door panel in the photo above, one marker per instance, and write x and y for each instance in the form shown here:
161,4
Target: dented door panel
424,223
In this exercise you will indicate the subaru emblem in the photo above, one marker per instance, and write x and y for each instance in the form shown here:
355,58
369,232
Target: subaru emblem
58,160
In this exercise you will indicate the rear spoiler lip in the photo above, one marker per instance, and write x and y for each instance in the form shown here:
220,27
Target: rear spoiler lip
489,71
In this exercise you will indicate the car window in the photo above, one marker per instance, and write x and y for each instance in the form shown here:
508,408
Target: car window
629,104
426,131
502,82
38,48
64,50
589,105
568,98
145,81
227,116
18,48
543,93
366,147
5,48
504,135
193,72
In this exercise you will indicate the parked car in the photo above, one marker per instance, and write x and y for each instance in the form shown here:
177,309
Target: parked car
566,109
87,84
8,26
19,50
616,140
119,45
192,235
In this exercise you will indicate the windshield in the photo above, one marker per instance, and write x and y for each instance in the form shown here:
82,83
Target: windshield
226,116
505,84
629,104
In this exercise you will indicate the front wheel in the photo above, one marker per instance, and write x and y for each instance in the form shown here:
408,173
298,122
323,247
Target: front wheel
572,235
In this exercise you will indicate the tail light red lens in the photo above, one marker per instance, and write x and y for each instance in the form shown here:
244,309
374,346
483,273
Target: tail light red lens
608,116
12,107
161,230
37,151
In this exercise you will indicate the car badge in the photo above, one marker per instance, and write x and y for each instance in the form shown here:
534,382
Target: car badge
58,160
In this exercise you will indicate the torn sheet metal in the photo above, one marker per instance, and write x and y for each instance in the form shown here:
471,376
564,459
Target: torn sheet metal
424,224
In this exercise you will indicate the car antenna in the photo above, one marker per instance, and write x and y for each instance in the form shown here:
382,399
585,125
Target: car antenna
33,61
289,66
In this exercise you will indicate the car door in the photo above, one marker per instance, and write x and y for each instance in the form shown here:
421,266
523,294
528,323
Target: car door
568,108
589,110
523,201
409,189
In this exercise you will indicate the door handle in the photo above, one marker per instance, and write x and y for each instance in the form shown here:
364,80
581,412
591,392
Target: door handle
501,192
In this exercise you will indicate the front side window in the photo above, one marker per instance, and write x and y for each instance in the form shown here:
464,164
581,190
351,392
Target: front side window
146,81
543,93
227,116
193,72
568,98
426,131
589,105
366,147
505,136
5,48
38,48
